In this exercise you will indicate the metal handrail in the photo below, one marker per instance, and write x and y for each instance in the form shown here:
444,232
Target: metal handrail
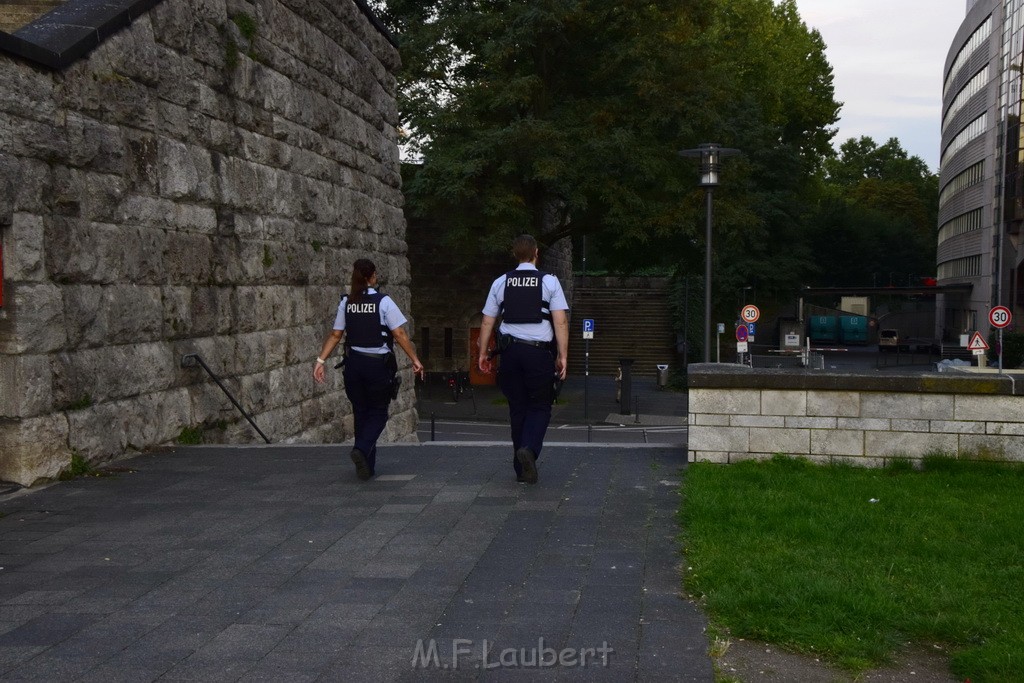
185,362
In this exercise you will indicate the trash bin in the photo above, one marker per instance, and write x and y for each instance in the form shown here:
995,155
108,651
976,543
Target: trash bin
662,376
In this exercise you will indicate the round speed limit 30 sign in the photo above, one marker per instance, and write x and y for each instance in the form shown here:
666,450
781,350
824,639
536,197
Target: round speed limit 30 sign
1000,316
750,313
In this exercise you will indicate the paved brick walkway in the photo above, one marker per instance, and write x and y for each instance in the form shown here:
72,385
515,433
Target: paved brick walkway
277,564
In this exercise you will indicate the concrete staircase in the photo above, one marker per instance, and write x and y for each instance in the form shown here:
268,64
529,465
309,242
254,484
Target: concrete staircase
16,13
632,319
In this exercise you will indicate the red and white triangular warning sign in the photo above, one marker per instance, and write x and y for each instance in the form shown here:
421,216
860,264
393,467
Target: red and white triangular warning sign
978,343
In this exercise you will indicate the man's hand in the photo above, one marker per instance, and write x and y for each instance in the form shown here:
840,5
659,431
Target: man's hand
418,370
561,367
319,373
483,362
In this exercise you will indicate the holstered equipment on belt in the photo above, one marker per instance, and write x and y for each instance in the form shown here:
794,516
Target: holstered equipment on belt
557,388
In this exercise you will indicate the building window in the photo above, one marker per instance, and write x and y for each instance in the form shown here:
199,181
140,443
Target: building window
973,87
965,222
961,267
970,132
971,176
424,343
976,40
448,342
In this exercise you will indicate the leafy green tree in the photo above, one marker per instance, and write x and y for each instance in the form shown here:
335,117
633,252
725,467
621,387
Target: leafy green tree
777,106
875,221
565,116
552,116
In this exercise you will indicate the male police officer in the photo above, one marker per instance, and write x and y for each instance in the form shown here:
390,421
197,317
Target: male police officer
533,309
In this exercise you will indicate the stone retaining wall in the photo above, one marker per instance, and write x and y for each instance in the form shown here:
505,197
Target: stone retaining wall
200,183
738,413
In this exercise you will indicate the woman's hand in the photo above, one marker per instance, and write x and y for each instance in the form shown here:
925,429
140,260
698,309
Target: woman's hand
319,374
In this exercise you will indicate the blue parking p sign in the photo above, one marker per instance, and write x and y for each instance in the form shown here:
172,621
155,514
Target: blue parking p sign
588,328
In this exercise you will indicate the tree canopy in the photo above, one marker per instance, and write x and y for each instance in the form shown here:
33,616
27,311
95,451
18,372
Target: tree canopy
875,222
564,117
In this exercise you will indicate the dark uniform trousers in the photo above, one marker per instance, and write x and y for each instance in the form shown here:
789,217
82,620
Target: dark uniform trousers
368,387
525,377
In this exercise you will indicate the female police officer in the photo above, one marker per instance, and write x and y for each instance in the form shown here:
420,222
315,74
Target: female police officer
373,322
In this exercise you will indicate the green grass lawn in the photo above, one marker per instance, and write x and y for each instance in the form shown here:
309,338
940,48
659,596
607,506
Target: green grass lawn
849,563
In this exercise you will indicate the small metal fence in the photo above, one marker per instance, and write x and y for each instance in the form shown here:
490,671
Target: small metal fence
812,361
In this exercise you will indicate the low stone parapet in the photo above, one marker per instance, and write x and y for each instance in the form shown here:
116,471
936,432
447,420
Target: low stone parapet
740,413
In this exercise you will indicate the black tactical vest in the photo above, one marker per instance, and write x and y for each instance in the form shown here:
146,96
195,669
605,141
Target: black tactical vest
524,298
363,326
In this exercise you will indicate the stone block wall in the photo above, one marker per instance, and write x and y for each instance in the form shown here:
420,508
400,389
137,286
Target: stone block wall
199,183
738,413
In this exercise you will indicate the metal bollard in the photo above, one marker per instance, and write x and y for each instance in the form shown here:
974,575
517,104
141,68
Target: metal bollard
432,426
636,412
589,427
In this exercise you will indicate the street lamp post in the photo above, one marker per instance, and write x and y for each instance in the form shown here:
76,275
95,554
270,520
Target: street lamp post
710,154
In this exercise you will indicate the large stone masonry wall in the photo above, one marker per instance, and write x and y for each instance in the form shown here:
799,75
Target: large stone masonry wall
190,187
738,413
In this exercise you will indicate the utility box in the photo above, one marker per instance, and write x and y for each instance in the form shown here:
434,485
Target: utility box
858,305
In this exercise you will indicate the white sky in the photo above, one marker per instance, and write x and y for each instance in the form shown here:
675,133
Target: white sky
887,58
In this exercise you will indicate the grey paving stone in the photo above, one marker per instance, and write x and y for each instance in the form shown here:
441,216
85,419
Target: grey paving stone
541,635
42,597
114,673
46,629
369,664
384,630
465,608
320,642
290,569
13,655
50,666
182,633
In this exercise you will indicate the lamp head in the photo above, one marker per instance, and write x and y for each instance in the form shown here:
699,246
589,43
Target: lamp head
710,154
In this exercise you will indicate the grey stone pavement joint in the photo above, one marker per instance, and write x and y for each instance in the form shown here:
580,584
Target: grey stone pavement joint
277,564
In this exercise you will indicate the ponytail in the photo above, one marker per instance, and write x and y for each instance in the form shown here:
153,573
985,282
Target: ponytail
362,270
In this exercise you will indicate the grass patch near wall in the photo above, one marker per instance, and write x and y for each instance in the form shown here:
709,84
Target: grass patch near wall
190,436
78,467
849,563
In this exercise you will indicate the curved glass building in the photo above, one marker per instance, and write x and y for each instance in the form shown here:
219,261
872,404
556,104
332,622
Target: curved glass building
981,200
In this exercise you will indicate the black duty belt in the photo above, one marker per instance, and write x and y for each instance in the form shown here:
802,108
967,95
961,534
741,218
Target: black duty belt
528,342
379,356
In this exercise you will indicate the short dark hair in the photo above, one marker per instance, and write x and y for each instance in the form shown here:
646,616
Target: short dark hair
524,247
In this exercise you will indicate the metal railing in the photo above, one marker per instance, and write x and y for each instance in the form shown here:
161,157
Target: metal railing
189,358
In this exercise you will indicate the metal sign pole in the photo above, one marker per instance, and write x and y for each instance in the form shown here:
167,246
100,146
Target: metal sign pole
1000,350
588,334
586,380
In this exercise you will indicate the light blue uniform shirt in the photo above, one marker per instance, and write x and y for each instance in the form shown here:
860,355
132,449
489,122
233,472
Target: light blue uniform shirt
390,315
542,331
